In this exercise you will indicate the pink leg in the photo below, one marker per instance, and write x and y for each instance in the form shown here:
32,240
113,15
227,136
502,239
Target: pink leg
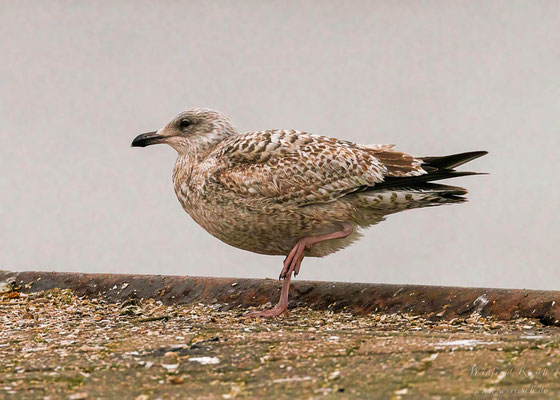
292,264
278,308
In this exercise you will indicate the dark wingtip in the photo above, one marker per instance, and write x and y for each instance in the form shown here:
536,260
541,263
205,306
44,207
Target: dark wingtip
453,160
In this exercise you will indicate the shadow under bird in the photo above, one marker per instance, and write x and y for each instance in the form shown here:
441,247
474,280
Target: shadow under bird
291,193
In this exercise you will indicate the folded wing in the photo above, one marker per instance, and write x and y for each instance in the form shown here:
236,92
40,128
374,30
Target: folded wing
297,169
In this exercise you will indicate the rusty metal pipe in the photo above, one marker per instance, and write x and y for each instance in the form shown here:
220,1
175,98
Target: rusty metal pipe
434,302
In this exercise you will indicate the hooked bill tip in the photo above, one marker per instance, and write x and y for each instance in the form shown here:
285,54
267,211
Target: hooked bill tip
146,139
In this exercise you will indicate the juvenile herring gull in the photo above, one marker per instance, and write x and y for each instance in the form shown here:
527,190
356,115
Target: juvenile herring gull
291,193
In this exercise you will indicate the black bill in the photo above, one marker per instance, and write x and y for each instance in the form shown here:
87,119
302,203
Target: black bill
147,139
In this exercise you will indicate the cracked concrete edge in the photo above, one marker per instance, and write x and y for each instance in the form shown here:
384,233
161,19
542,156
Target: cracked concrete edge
434,302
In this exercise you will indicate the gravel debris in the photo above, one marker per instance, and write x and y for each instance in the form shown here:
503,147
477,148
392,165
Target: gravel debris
55,345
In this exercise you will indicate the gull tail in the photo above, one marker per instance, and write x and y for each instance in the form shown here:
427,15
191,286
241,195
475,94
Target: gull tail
397,194
437,168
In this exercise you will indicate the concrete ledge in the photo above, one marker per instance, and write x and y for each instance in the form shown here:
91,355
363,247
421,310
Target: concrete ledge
434,302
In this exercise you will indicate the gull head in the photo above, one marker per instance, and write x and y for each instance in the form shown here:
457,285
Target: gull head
192,131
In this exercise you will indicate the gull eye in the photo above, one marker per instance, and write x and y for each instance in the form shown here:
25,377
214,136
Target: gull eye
184,124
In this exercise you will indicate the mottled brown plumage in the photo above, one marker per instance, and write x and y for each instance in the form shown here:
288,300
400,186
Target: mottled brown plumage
286,192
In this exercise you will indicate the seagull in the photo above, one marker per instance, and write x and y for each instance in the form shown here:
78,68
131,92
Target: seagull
292,193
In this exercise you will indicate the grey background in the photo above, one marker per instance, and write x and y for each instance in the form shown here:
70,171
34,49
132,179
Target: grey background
81,79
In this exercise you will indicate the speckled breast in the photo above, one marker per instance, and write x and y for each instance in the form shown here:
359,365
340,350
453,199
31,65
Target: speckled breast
252,224
263,230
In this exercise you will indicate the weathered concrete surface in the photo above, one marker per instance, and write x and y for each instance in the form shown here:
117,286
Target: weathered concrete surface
54,345
434,302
